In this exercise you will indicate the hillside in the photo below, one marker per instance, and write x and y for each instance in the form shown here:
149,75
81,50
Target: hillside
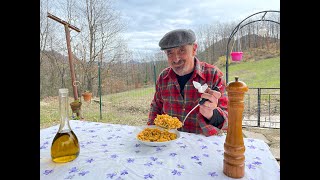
253,46
263,73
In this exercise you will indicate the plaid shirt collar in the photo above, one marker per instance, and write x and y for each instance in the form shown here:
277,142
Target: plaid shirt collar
199,67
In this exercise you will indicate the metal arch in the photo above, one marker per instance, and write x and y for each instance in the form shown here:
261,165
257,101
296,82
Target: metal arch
238,27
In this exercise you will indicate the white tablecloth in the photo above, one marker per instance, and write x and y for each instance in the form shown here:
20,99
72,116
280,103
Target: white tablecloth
111,151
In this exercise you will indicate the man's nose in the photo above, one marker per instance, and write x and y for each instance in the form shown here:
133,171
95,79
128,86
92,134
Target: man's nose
176,57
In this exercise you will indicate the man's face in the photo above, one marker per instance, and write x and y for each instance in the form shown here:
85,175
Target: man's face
181,59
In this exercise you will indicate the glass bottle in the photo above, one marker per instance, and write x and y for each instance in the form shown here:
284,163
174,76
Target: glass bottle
65,144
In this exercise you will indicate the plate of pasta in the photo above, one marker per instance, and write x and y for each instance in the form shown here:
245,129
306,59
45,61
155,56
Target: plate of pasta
153,135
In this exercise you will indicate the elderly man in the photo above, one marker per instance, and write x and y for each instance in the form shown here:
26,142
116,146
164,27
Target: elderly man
175,93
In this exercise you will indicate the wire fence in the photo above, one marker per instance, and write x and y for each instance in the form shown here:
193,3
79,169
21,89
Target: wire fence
262,108
261,105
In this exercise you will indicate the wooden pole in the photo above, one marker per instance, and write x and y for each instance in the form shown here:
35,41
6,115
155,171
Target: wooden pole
67,31
63,22
73,76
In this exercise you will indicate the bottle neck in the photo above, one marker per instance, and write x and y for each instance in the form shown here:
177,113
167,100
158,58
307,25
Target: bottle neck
64,112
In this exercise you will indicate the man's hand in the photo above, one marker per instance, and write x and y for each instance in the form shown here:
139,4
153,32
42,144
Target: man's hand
207,108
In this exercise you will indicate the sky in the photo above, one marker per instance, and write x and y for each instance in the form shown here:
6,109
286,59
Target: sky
149,20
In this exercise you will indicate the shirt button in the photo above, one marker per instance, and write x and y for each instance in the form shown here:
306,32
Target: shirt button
183,109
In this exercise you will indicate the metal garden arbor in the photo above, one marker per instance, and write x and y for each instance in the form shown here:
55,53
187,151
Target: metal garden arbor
243,24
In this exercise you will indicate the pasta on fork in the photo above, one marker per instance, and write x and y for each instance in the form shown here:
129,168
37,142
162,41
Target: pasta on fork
167,121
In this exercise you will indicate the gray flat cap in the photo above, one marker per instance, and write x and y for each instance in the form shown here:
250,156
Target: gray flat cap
177,38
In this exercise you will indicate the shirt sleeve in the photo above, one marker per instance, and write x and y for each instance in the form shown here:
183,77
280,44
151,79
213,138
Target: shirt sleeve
156,104
216,120
220,114
219,120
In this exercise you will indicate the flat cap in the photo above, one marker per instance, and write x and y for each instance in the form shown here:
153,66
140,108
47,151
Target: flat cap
176,38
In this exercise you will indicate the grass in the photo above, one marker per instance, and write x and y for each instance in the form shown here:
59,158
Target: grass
131,107
262,73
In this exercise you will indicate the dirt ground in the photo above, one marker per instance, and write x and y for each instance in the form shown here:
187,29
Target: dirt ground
272,135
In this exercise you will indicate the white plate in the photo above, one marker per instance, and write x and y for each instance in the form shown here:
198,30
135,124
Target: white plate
141,128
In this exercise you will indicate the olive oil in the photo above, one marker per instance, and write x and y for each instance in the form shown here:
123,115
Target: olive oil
65,145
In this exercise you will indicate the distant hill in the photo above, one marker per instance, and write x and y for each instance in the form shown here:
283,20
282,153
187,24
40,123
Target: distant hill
53,55
254,47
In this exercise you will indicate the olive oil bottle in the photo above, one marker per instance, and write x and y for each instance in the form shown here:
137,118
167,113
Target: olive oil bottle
65,144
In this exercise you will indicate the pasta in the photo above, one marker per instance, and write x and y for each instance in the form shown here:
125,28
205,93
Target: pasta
167,121
156,135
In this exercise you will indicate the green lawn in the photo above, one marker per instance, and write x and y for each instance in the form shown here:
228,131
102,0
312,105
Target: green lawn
263,73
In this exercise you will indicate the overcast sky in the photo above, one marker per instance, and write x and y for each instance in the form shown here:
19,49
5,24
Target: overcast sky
149,20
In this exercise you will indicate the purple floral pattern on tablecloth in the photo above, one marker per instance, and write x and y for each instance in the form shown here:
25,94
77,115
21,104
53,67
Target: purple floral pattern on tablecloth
175,172
111,175
147,176
73,169
153,158
43,147
69,176
184,146
204,147
173,154
212,174
195,157
113,156
89,160
124,172
111,151
251,147
251,166
256,163
148,164
46,172
137,145
130,160
82,173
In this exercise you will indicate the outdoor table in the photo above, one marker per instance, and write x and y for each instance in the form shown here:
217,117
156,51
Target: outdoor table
111,151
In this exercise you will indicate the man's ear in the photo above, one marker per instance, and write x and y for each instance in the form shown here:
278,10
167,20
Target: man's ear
194,49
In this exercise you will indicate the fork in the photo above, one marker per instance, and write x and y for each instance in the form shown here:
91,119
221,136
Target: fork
202,100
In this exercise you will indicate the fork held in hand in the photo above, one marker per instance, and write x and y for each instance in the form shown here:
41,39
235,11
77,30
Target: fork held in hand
216,88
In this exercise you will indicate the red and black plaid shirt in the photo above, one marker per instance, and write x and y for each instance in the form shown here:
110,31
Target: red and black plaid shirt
168,100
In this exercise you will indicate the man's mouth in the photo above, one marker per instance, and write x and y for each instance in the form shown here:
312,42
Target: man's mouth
178,65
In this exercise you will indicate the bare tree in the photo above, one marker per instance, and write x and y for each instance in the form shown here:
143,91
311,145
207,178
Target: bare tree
100,36
43,28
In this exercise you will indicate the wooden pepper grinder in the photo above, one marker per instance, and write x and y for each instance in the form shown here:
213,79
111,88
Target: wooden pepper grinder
233,163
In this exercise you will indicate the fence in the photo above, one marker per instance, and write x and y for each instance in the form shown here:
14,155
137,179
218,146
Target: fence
262,105
262,108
